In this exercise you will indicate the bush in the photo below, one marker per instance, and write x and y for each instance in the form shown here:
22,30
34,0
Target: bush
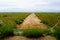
57,33
47,22
19,21
4,15
6,31
33,33
49,31
0,25
53,32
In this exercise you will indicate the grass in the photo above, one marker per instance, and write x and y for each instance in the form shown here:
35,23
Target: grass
33,33
10,17
48,18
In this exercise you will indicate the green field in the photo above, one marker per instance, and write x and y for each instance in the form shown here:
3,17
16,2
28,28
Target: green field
9,20
50,18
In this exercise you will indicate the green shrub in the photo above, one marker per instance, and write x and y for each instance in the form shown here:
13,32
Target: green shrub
49,31
19,21
33,33
4,15
57,33
0,25
6,31
53,32
47,22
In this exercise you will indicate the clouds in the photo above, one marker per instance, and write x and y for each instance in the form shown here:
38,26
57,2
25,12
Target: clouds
29,5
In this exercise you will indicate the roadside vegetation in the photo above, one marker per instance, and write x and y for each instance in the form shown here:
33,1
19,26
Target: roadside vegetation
10,20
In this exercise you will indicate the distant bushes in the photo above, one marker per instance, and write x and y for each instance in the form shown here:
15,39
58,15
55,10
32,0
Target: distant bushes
4,15
19,21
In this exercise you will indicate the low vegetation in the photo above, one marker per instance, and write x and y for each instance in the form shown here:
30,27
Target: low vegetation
57,33
8,28
19,21
6,31
33,33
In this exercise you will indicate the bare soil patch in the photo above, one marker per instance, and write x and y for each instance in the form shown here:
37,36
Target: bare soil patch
32,21
24,38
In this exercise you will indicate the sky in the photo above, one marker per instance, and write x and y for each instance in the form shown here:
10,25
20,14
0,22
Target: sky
29,5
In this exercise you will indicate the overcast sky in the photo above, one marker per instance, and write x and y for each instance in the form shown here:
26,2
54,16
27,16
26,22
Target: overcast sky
29,5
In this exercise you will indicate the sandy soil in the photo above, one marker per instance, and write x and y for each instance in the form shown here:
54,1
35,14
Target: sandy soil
32,21
24,38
